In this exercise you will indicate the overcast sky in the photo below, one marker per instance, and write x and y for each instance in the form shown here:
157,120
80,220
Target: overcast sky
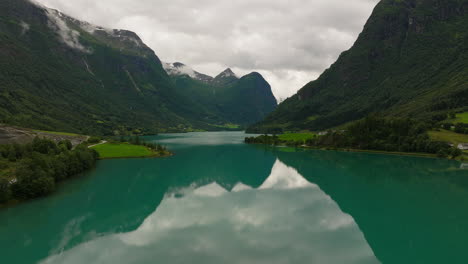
290,42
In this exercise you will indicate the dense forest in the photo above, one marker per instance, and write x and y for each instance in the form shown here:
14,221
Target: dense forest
374,133
32,170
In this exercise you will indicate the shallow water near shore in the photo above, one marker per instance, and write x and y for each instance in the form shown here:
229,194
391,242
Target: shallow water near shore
218,200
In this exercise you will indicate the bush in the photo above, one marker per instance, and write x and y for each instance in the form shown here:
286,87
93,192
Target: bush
3,164
447,126
94,140
442,153
65,145
5,192
461,128
456,152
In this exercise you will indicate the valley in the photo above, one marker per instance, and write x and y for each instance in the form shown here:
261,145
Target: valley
172,142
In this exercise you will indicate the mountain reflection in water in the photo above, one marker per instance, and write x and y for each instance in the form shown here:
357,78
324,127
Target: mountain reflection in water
286,220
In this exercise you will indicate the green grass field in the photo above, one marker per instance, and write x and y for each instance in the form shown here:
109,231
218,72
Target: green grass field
462,118
59,133
296,136
109,151
448,136
228,126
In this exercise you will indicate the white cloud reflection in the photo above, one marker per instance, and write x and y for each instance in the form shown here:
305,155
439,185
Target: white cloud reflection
286,220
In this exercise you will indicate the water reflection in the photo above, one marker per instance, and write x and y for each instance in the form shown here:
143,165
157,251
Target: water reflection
196,139
286,220
237,203
119,195
411,210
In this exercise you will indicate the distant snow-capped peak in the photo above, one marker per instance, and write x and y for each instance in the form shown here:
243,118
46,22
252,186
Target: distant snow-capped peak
227,73
180,69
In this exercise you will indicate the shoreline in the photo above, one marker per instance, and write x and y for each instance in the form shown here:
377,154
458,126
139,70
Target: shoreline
127,150
15,202
381,152
138,157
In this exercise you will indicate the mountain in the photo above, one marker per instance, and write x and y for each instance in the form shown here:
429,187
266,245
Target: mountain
411,60
180,69
62,74
226,77
228,98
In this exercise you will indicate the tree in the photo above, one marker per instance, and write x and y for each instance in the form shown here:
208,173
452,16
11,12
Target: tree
32,179
44,146
94,140
66,144
442,153
456,152
40,164
137,140
5,192
447,126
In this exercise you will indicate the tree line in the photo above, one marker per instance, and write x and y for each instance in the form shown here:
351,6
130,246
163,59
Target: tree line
32,170
374,133
459,128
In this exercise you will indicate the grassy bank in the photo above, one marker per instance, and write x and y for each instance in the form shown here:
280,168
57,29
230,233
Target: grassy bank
448,136
461,118
296,136
126,150
396,153
59,133
376,134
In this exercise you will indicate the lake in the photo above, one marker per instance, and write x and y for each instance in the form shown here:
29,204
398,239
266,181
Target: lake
218,200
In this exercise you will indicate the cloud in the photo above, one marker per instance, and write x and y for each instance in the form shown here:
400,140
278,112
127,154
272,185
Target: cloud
290,42
67,35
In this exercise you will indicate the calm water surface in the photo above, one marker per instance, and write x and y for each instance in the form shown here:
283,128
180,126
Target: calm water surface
220,201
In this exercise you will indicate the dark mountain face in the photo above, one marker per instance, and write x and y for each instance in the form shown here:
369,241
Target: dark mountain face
59,73
410,60
231,100
249,99
226,77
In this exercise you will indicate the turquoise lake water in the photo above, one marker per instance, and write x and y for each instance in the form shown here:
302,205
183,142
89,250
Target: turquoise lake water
218,200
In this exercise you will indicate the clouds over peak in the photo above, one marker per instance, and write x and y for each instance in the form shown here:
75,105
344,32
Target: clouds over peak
286,41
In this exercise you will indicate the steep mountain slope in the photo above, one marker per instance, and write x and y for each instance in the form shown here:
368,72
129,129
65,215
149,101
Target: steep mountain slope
410,60
59,73
228,99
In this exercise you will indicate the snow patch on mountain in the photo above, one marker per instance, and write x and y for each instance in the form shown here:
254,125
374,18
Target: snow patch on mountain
57,22
180,69
90,28
68,36
122,35
176,69
24,27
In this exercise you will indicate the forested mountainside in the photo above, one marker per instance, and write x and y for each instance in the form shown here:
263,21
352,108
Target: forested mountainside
59,73
233,100
410,60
